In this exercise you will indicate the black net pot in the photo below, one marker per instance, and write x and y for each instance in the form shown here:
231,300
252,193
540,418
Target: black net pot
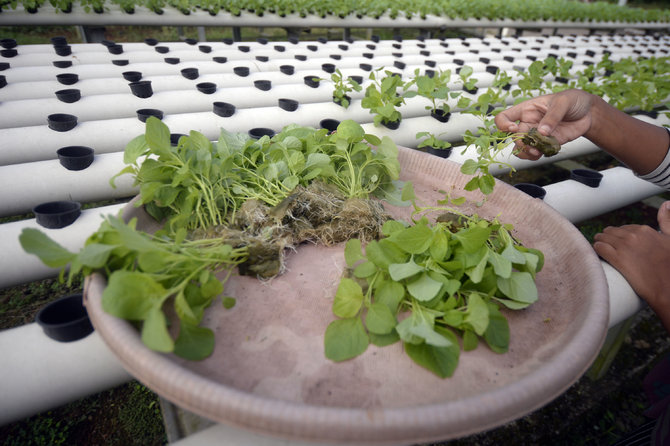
63,50
590,178
57,214
4,66
151,42
3,80
533,190
62,63
223,109
442,153
115,49
75,157
262,58
144,113
191,41
161,49
61,122
171,60
8,44
287,69
259,132
132,76
440,115
141,89
175,137
68,95
205,48
67,78
65,319
391,125
290,105
328,67
263,85
120,62
220,59
312,81
58,40
329,124
206,87
300,57
190,73
9,53
241,71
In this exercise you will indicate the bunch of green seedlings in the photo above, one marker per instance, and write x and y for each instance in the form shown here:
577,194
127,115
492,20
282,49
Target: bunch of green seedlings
342,86
382,97
143,272
423,283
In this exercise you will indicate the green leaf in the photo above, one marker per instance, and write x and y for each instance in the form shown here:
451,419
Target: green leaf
52,254
348,298
429,335
470,340
414,239
469,167
365,269
131,295
228,302
134,149
345,339
95,255
519,287
477,272
472,239
497,333
401,271
353,252
440,360
408,192
194,343
157,136
513,255
501,265
384,340
477,315
350,130
379,319
390,293
424,288
154,331
440,246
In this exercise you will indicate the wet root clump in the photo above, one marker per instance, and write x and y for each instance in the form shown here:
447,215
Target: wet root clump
318,213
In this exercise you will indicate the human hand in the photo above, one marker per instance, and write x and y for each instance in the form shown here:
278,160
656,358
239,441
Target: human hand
564,115
642,255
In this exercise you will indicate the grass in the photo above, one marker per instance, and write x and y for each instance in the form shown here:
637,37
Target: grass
590,413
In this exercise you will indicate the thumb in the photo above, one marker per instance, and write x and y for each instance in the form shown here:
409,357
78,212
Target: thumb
664,218
556,111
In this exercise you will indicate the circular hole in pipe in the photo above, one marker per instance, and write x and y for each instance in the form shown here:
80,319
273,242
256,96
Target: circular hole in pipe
61,122
65,319
531,189
75,157
590,178
329,124
69,95
57,214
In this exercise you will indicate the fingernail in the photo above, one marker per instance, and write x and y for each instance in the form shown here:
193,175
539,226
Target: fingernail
545,130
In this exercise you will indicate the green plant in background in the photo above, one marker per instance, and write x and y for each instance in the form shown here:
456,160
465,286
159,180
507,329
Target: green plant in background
424,282
435,88
431,140
342,86
382,98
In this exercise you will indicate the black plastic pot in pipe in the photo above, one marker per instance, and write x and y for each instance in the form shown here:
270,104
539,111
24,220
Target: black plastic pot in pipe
62,63
120,62
220,59
67,78
162,49
241,71
442,153
223,109
57,214
590,178
312,81
300,57
263,85
440,115
328,67
115,49
391,125
9,53
329,124
58,40
191,41
531,189
259,132
287,69
290,105
190,73
65,319
141,89
280,48
262,58
75,157
206,87
3,81
8,44
144,113
171,60
244,48
357,79
61,122
63,50
68,95
175,137
132,76
151,42
4,66
205,48
365,67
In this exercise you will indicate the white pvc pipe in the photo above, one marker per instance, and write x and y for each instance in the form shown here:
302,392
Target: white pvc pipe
19,192
19,267
114,15
39,373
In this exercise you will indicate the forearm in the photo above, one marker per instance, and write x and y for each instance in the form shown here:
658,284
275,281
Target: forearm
638,144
